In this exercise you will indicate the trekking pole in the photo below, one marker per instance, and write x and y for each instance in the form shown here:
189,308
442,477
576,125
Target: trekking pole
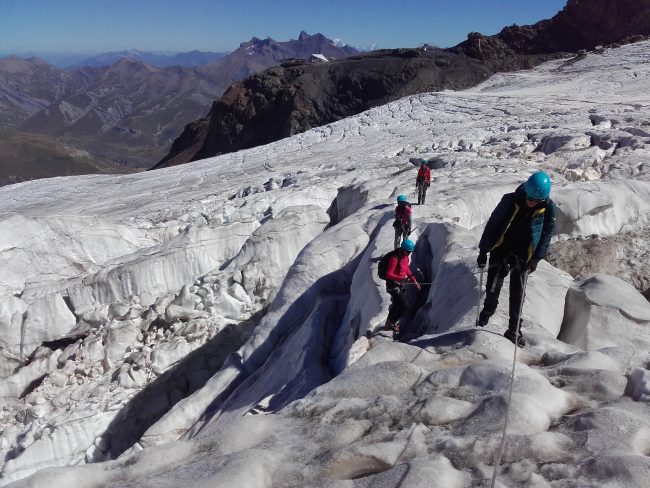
480,295
497,461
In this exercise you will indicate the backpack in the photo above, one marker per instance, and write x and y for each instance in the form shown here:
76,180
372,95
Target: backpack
383,264
400,212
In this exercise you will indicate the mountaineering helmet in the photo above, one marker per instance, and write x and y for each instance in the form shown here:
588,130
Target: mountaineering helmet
408,245
538,186
401,198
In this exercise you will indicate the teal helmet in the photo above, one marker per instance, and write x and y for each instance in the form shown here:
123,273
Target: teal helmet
401,198
407,245
538,186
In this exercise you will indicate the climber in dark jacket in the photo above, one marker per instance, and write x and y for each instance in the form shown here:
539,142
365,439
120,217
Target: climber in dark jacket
517,236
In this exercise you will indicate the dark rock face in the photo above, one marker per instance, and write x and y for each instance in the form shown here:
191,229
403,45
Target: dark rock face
594,22
582,24
294,98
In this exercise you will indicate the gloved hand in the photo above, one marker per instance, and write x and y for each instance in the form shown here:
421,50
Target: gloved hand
532,266
482,259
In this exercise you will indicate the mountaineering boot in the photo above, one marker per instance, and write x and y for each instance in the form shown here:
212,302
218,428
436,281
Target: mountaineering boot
483,318
510,335
396,332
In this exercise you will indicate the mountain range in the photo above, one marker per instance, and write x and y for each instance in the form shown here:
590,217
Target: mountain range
191,58
128,113
135,115
288,100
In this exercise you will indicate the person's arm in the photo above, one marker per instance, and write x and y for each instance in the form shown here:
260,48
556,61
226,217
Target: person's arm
547,231
496,223
410,276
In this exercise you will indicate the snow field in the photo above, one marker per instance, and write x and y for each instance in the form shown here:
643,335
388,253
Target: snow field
225,303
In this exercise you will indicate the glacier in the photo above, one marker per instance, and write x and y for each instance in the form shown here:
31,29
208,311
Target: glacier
206,324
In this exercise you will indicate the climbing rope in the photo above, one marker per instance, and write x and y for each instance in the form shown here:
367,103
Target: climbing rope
497,460
480,295
524,278
474,272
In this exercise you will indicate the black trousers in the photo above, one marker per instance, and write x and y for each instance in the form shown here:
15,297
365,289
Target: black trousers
398,303
422,192
501,264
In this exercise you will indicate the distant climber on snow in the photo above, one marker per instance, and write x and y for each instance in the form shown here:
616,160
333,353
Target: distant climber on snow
423,181
402,221
394,267
517,236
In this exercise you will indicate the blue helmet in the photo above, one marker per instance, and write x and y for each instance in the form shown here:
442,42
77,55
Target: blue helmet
407,245
401,198
538,186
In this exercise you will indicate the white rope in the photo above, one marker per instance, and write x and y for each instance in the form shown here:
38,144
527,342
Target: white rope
497,461
480,295
455,278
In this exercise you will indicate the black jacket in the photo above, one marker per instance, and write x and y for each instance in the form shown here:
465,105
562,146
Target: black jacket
542,224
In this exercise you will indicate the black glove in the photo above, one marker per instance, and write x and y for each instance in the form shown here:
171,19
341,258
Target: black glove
482,259
532,266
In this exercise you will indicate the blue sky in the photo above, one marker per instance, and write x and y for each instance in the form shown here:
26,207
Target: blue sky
220,25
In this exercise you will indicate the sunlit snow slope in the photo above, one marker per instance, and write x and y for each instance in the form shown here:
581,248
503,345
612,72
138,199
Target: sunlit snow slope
205,325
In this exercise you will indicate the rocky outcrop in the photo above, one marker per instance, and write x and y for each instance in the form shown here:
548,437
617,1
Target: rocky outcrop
582,24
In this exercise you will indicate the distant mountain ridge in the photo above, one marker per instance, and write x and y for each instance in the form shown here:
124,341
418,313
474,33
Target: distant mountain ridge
130,112
259,54
187,59
283,102
28,156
